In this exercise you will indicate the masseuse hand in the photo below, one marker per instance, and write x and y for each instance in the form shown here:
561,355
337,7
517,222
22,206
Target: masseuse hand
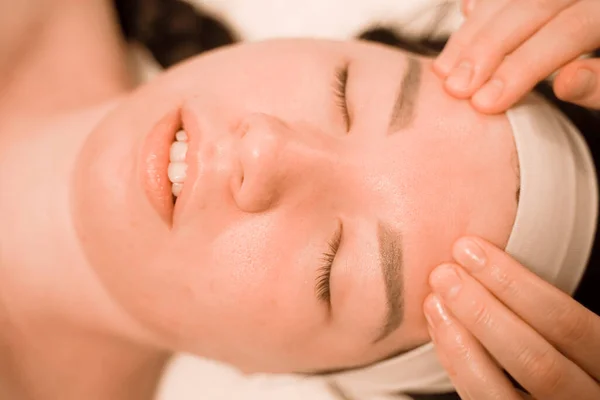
495,312
505,47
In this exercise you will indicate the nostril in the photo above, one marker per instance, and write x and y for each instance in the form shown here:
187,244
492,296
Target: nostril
252,199
241,129
261,141
237,179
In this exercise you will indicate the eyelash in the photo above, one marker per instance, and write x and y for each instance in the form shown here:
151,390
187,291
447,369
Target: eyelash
341,82
323,286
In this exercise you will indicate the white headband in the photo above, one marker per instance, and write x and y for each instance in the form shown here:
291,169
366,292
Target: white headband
552,235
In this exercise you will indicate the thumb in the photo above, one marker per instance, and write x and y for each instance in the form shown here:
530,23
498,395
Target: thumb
579,83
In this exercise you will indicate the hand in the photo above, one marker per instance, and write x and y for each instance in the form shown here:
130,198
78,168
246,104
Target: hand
501,315
505,47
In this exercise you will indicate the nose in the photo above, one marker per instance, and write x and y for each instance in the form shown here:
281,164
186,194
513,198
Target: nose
276,160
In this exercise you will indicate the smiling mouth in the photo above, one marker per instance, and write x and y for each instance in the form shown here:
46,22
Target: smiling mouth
164,163
155,164
177,168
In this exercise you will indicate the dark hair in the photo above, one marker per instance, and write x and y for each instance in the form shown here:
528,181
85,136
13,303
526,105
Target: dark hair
172,30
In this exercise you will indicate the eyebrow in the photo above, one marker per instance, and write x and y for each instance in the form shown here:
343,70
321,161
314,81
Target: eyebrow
403,112
390,256
390,240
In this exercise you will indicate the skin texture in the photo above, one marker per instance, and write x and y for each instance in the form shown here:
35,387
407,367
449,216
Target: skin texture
234,277
483,60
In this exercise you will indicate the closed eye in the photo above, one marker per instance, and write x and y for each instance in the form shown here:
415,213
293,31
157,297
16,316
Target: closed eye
323,282
340,86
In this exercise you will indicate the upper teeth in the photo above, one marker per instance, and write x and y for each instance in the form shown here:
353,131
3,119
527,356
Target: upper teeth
177,167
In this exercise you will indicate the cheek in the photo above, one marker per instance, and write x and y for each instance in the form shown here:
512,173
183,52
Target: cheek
248,288
260,266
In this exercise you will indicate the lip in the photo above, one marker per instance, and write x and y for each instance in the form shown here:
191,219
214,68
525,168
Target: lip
154,160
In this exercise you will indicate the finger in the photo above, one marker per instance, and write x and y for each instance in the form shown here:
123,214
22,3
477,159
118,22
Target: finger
561,41
472,371
523,352
467,7
478,18
570,327
579,83
504,33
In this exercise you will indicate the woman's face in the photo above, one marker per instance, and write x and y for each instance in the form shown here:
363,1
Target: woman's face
311,213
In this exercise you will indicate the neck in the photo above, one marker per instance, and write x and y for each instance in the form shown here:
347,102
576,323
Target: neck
63,330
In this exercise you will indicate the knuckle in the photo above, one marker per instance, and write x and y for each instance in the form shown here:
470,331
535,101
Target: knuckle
578,26
543,370
505,282
459,350
569,326
481,315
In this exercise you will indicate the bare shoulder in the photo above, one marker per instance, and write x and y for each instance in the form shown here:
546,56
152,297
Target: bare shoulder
62,54
20,21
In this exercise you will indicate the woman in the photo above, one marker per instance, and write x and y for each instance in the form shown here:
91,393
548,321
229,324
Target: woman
294,192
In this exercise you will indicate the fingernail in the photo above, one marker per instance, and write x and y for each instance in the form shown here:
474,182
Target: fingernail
445,281
490,93
435,312
469,254
460,77
581,84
